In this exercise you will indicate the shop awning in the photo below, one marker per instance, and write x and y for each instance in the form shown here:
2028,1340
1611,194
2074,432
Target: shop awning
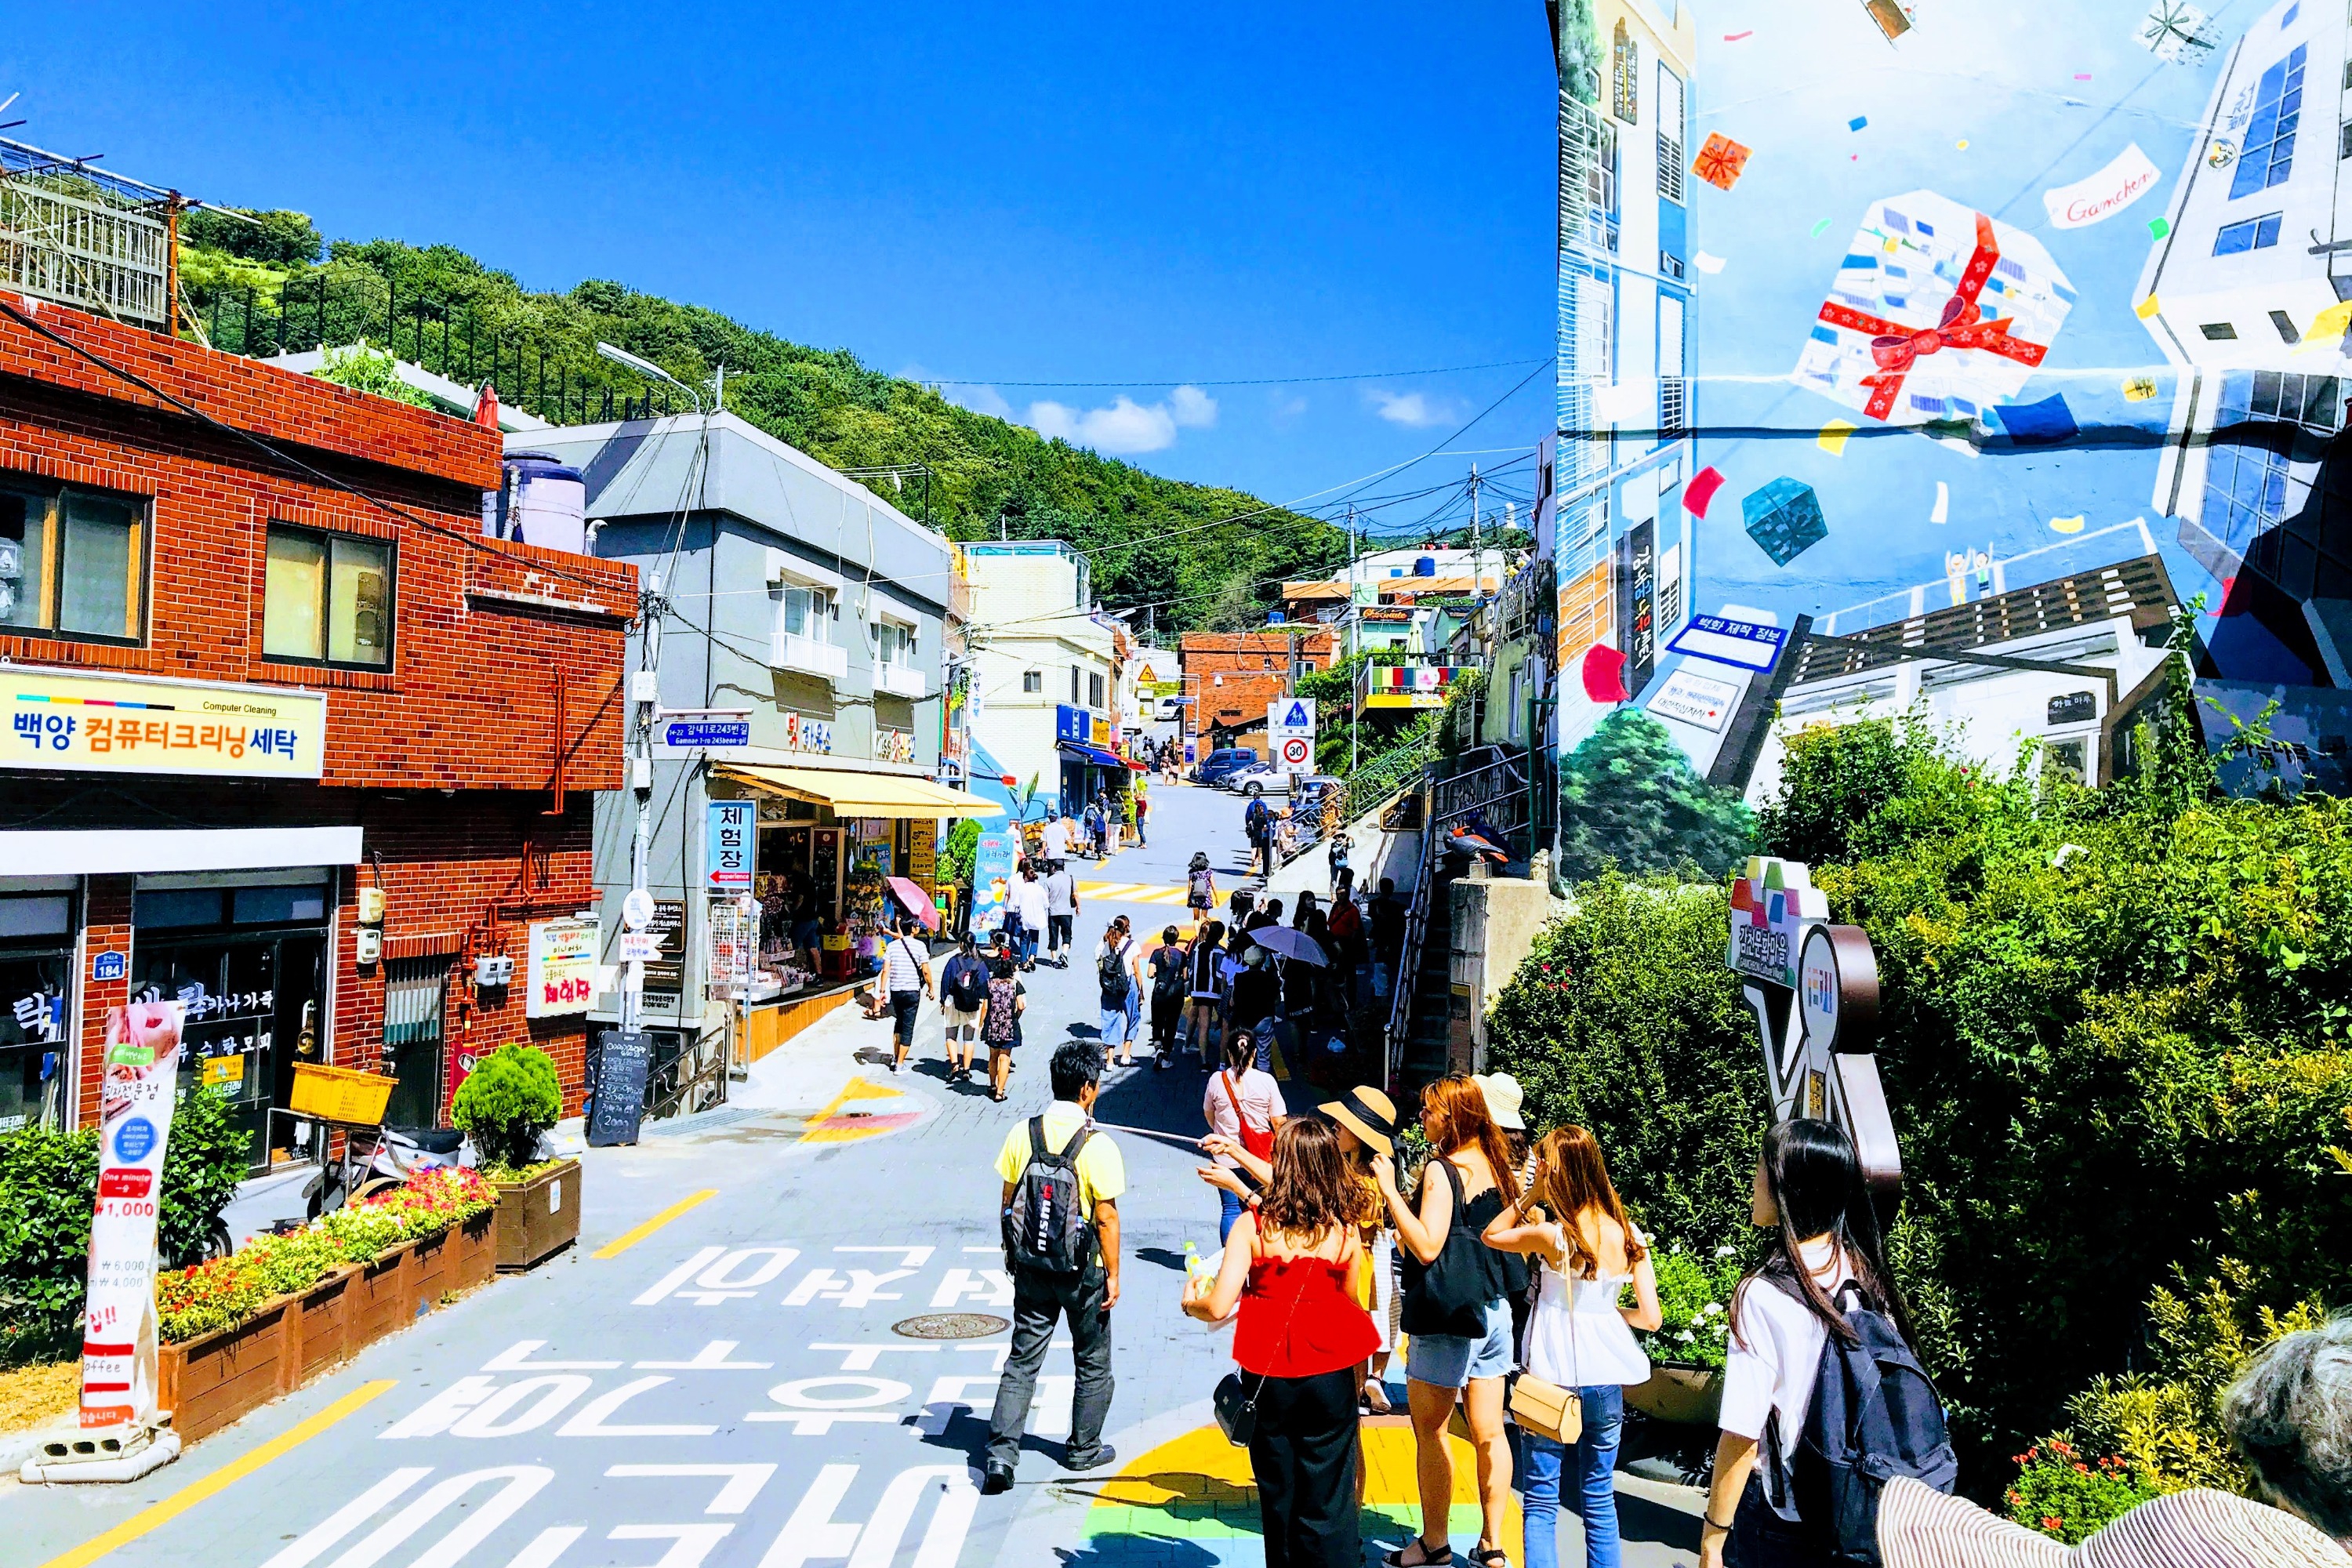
861,794
1094,755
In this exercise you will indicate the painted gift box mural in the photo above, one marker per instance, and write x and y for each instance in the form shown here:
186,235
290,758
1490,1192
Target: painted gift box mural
1937,313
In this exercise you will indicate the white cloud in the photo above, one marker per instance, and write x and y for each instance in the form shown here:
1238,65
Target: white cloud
979,400
1126,426
1413,408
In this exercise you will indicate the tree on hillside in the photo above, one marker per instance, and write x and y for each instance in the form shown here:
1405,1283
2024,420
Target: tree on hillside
1629,797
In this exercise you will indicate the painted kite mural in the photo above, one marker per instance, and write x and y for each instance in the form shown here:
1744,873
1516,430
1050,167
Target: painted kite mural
1929,357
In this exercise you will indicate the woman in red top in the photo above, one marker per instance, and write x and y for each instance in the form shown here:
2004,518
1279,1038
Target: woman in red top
1291,1264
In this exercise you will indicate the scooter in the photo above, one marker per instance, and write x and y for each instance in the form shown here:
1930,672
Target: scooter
377,1159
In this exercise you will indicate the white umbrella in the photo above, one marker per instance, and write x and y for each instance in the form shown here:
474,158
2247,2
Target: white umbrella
1288,941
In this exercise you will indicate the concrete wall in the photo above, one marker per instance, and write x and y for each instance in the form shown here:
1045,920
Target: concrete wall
1494,924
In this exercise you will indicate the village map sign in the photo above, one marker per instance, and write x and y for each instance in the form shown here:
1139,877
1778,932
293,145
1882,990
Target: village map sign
1813,986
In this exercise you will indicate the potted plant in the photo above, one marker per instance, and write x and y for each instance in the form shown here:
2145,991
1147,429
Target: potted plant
509,1100
1686,1350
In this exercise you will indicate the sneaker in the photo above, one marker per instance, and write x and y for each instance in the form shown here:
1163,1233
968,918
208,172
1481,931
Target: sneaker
995,1480
1102,1453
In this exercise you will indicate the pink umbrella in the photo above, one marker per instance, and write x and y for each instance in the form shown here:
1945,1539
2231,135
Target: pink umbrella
917,902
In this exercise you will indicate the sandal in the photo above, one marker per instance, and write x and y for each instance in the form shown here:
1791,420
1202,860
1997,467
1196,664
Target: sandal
1375,1400
1442,1558
1490,1557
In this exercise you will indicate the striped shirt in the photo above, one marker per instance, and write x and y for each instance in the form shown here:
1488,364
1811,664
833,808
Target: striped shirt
902,970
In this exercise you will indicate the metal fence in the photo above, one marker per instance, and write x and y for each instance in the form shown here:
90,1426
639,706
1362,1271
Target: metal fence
456,339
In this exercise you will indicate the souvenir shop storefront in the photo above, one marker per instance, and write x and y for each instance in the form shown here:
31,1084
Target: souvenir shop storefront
839,855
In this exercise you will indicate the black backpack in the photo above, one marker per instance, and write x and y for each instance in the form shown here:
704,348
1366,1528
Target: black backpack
1167,973
967,984
1046,1230
1874,1416
1110,973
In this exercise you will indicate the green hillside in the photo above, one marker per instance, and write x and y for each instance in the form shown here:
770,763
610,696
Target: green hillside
256,288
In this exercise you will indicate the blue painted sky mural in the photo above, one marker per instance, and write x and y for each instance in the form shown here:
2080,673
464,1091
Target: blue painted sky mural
1968,299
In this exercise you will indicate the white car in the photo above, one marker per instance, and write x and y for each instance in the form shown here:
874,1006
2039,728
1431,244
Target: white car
1262,779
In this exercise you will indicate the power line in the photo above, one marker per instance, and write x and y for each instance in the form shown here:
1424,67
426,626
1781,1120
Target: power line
1253,381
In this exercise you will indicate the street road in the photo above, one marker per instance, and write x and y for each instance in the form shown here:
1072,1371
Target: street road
727,1388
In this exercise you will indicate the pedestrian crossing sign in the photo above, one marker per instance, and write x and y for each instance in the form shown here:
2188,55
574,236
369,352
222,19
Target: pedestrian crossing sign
1298,718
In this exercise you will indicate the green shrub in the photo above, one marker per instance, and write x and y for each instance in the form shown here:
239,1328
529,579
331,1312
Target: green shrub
1628,798
957,855
506,1102
2065,1496
49,1188
366,368
1694,1304
1624,1020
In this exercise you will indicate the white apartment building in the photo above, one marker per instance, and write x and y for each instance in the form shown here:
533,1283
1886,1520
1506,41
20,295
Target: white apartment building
1042,668
1611,510
2245,295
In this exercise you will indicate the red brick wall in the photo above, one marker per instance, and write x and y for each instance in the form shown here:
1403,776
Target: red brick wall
484,631
106,927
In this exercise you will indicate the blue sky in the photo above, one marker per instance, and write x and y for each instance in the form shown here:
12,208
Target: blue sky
1210,192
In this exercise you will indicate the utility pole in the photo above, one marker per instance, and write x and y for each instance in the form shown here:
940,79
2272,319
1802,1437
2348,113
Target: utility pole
1355,646
1477,558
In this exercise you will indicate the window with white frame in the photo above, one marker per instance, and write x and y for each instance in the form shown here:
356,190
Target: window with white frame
1033,681
804,610
1670,133
894,644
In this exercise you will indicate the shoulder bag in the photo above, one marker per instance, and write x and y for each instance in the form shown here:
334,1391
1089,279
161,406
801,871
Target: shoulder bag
1236,1411
1544,1407
1449,1295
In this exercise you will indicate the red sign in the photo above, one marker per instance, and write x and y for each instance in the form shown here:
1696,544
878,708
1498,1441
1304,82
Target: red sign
126,1181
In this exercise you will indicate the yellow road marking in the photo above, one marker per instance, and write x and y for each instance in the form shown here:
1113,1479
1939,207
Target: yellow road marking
630,1238
856,1088
220,1480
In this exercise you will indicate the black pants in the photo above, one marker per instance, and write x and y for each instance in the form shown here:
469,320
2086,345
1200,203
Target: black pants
1038,1299
1167,1012
904,1006
1760,1538
1057,932
1303,1453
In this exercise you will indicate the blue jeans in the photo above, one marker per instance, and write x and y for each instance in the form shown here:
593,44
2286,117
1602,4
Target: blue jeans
1232,1213
1028,943
1591,1463
1117,1028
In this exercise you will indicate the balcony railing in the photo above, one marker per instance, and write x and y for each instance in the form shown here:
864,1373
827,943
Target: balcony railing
901,680
807,655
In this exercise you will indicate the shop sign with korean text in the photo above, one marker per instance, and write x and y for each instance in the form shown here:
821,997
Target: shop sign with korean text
64,722
562,975
119,1356
729,844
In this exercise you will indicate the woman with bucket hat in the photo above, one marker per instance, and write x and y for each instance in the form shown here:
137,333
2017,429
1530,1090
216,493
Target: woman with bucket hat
1367,1122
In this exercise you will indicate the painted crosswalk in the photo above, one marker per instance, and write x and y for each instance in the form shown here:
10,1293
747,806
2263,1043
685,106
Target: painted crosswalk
1133,892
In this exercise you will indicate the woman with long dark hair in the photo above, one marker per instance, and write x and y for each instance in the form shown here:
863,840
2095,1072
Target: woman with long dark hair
1812,1195
1290,1264
1458,1323
1579,1337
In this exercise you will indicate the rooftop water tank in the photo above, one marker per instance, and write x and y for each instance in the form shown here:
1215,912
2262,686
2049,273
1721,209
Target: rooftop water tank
1273,618
543,502
1426,567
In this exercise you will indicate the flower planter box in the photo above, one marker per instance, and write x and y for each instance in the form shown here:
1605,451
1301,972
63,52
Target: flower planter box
212,1380
538,1217
1679,1395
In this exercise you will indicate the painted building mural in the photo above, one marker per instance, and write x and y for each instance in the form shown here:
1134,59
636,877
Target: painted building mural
1949,349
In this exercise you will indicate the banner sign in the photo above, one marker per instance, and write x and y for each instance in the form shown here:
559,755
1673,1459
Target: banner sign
59,721
560,973
2123,181
118,1329
1748,644
992,876
729,844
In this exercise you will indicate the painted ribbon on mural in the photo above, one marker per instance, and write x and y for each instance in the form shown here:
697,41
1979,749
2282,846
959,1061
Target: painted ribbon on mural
1894,348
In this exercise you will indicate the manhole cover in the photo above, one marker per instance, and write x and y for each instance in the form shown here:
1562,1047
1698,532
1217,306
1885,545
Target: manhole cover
950,1326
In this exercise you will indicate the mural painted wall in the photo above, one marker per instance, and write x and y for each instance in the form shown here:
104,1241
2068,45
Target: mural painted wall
1988,331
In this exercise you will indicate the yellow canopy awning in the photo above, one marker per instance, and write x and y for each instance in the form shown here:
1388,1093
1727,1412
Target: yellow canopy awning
861,794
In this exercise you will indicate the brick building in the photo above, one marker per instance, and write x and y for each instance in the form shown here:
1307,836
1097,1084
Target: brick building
256,661
1230,677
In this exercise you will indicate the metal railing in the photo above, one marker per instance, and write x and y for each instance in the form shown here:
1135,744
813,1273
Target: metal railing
695,1080
1493,790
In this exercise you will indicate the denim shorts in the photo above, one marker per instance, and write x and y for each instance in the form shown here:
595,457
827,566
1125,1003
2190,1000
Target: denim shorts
1451,1361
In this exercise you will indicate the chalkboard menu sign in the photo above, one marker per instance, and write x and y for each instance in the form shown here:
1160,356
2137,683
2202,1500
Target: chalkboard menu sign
623,1059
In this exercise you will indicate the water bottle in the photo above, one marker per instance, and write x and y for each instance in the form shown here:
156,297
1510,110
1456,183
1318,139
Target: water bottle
1194,1268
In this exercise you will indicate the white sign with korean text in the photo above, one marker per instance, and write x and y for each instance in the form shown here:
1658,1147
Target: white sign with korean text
118,1354
1695,699
561,974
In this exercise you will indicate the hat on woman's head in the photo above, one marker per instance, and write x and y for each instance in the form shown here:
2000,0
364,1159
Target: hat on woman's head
1369,1114
1503,1097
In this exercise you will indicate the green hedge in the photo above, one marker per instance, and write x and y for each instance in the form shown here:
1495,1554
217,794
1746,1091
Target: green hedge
2116,1041
49,1188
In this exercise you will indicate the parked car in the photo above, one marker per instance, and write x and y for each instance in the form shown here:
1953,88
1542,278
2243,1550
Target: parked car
1263,778
1217,764
1314,789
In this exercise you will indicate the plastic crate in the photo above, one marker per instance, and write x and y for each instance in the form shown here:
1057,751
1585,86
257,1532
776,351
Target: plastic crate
341,1094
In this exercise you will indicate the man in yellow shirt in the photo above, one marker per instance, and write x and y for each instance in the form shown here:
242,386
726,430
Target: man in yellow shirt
1084,1297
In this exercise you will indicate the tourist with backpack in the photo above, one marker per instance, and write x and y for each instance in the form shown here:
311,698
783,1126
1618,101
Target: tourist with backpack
1061,1184
1200,887
1205,1003
1165,966
963,997
1823,1399
1581,1349
1115,978
1000,1020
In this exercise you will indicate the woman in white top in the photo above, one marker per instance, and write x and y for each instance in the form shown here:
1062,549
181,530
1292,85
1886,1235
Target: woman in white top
1811,1192
1579,1336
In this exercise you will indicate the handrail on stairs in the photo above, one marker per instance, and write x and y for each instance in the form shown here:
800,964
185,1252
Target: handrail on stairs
1496,789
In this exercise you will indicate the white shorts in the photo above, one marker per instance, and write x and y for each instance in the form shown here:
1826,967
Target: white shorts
961,1020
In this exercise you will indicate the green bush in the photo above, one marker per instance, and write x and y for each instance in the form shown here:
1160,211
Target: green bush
49,1188
2065,1496
506,1102
1628,798
1624,1020
1694,1304
957,855
366,368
